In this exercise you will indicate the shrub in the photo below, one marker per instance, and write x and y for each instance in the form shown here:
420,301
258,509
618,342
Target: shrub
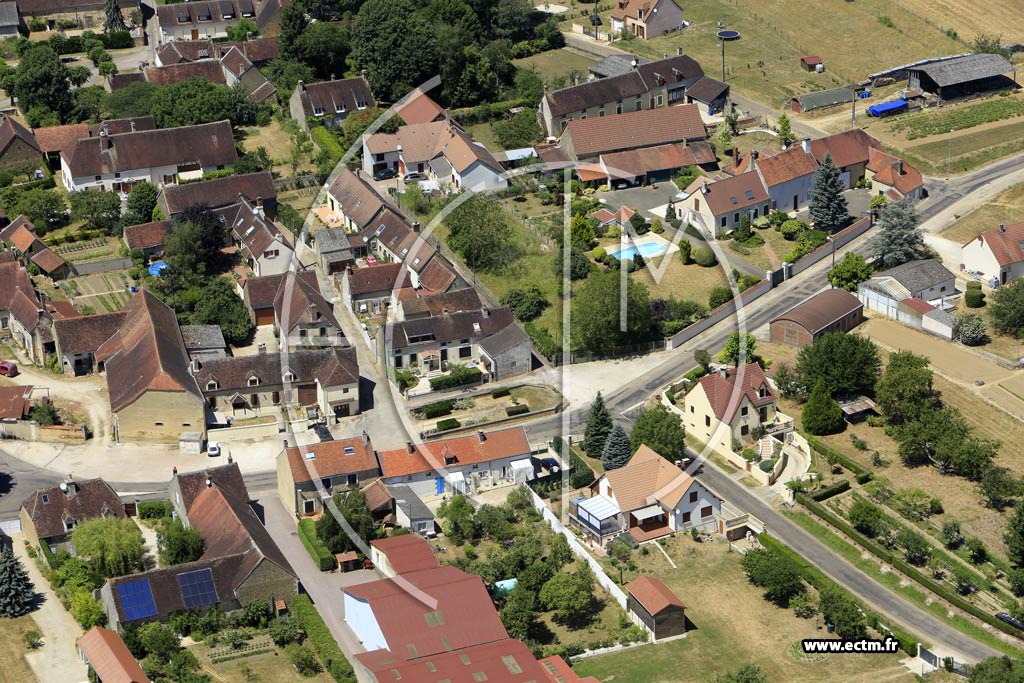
833,490
704,256
457,376
321,640
315,547
437,409
766,465
448,424
974,298
500,392
520,409
791,228
303,660
326,142
285,630
33,639
719,296
156,509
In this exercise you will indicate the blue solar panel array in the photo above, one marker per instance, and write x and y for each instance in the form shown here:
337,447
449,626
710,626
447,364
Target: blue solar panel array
197,588
136,600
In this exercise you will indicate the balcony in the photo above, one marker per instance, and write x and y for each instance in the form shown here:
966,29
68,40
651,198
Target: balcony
780,425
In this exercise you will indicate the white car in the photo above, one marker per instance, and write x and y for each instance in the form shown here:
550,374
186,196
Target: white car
213,449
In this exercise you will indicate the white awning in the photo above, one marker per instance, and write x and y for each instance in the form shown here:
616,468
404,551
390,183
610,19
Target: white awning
599,507
456,477
649,512
524,464
522,471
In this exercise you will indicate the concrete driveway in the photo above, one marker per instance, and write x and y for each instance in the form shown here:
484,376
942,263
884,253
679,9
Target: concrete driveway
642,198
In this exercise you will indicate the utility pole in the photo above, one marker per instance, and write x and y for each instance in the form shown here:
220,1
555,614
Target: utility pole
723,60
853,113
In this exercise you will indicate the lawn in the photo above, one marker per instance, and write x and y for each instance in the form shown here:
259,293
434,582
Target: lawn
1006,207
484,134
278,143
266,668
768,256
682,282
555,64
731,625
12,650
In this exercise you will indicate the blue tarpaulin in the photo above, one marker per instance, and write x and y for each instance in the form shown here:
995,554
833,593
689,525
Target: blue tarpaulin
886,108
155,268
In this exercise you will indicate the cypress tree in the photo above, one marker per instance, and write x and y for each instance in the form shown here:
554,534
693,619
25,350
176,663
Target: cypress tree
828,205
617,449
114,19
599,425
821,414
16,589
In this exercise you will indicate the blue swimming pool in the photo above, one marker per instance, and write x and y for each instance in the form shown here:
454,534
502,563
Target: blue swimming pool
647,249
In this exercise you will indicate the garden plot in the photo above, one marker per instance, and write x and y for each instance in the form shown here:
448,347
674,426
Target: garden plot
102,292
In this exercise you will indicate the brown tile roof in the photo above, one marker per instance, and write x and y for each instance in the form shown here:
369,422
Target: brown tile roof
646,479
706,89
733,193
408,553
228,478
206,69
123,80
17,294
15,402
209,144
193,13
461,152
419,108
87,333
109,657
649,127
453,326
726,393
11,130
504,661
378,498
335,96
465,299
302,302
259,49
62,309
48,260
785,166
420,142
60,138
332,367
358,200
427,457
821,310
653,594
21,233
1005,244
127,125
146,234
637,162
438,275
460,613
330,459
393,232
918,305
252,229
384,277
894,172
146,353
86,499
847,148
218,192
262,291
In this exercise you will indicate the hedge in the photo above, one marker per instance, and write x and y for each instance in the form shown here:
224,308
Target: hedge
323,642
315,547
520,409
489,111
833,490
326,142
863,474
501,392
51,559
155,509
456,378
974,298
910,571
448,424
437,409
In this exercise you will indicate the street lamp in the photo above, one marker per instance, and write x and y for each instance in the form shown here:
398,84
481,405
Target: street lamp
398,178
949,153
829,238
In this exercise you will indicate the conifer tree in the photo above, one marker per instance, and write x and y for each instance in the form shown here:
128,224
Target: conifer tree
16,589
617,449
599,425
828,205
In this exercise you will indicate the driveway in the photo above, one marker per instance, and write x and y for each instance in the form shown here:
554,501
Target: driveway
323,588
642,198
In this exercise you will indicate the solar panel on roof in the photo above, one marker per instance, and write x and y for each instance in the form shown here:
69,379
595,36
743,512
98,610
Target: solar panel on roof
136,600
197,589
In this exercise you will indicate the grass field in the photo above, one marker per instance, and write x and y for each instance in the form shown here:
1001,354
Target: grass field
484,134
682,282
731,625
969,19
555,64
266,668
968,151
12,650
1007,207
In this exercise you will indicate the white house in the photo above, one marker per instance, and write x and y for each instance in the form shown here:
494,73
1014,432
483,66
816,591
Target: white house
203,20
996,255
264,248
927,280
718,207
788,176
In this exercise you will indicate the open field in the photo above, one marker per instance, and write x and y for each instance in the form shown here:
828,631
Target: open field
484,134
1006,207
555,64
968,150
12,650
731,626
278,143
970,19
272,667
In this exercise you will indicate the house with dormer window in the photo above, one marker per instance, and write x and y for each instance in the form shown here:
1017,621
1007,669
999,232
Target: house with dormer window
646,18
304,471
729,405
718,207
50,515
329,103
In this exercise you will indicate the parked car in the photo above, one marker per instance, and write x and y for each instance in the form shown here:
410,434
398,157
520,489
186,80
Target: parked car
1009,619
213,449
623,185
385,174
8,368
371,260
414,177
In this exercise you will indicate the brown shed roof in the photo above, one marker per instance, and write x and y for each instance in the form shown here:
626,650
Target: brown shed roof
384,277
653,594
15,402
60,138
226,477
408,553
206,69
146,235
48,260
87,333
821,310
649,127
11,130
109,657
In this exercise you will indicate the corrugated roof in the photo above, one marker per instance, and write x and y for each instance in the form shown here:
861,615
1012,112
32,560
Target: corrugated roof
15,402
821,310
965,69
826,98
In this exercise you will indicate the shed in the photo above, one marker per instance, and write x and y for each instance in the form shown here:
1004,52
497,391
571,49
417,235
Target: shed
348,562
888,108
810,62
822,99
653,606
835,310
960,76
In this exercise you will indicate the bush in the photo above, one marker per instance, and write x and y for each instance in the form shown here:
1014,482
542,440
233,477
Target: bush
457,376
117,40
285,630
33,639
156,509
833,490
315,547
974,298
520,409
705,257
718,296
326,142
437,409
791,229
448,424
835,457
500,392
322,641
766,465
303,660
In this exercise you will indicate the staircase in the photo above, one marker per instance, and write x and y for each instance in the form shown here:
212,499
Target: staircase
765,447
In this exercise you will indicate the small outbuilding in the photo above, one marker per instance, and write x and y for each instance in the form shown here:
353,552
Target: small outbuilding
655,608
810,62
822,99
835,310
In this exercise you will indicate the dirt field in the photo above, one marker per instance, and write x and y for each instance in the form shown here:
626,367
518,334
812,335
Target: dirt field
273,666
12,650
104,292
731,625
969,19
1007,207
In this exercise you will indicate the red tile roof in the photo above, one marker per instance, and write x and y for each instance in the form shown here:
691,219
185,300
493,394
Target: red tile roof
463,450
505,661
60,138
653,594
847,148
726,393
420,109
408,553
785,166
918,305
48,260
594,136
146,234
558,671
330,459
228,478
21,233
894,172
438,275
15,402
206,69
109,657
1005,244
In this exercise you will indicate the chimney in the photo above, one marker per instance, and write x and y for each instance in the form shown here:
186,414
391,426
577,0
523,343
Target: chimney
806,144
409,448
174,471
1002,227
209,483
362,73
704,186
259,201
416,226
286,444
723,373
899,167
366,438
230,459
480,435
302,85
486,312
576,79
635,63
664,55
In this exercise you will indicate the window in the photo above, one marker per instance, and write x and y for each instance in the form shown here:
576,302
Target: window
693,496
755,213
98,177
254,400
302,332
186,424
723,221
686,518
744,410
352,479
618,107
600,112
117,175
465,351
661,100
692,409
638,105
705,512
736,217
46,499
707,420
582,117
942,288
744,430
275,397
254,381
512,364
308,507
211,385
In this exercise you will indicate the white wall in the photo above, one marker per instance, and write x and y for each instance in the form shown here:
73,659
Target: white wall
782,194
480,177
363,623
704,499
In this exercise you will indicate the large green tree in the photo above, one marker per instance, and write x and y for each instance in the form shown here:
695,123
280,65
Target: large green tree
459,520
113,18
569,596
898,237
661,430
848,364
1014,534
517,614
480,230
828,208
178,544
191,102
220,305
904,391
739,349
99,210
599,425
617,449
1007,309
324,47
821,414
776,574
842,612
45,208
394,43
850,272
519,131
356,512
748,673
141,202
17,593
111,546
597,307
41,80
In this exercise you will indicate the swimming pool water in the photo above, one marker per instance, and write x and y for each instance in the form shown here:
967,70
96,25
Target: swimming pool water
647,249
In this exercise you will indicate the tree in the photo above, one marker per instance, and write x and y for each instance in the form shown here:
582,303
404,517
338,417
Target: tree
866,518
596,322
705,257
285,74
685,250
86,610
916,549
179,544
526,302
45,208
519,131
970,329
748,673
822,415
951,536
356,512
661,430
113,18
255,161
141,202
44,413
599,425
828,208
219,305
79,75
785,130
670,212
325,47
242,31
517,614
898,237
719,296
394,43
723,138
480,230
284,630
848,364
41,80
792,229
158,640
569,596
842,612
989,43
1014,534
459,522
617,449
850,272
132,100
111,545
738,349
776,574
17,594
1007,309
580,266
904,391
191,102
998,486
98,209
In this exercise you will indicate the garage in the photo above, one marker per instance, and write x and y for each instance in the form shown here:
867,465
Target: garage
307,395
264,316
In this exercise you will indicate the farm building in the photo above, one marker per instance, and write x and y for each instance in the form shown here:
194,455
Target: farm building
655,608
927,280
961,76
810,62
834,310
822,99
923,316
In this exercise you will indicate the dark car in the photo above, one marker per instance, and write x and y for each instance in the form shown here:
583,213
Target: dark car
414,177
322,432
385,174
1009,619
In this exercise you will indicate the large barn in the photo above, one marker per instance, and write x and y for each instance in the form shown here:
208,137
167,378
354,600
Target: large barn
834,310
961,76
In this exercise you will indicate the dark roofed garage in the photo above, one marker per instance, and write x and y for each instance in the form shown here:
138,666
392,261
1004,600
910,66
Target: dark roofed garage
835,310
962,76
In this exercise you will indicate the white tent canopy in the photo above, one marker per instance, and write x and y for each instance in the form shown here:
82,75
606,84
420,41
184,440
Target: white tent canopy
522,471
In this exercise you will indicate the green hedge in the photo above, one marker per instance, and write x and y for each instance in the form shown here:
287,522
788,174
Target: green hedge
832,455
437,409
500,392
448,424
51,559
833,490
315,547
326,142
909,570
520,409
155,509
489,111
323,642
458,377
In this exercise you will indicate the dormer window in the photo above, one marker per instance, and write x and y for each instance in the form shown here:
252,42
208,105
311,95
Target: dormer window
46,499
318,111
69,524
339,108
476,328
362,104
762,392
211,385
229,15
349,450
289,376
254,381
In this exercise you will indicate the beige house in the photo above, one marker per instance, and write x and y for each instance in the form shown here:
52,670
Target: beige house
729,407
996,255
